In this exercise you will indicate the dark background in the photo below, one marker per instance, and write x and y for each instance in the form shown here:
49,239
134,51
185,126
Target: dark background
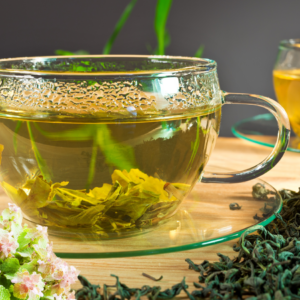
242,36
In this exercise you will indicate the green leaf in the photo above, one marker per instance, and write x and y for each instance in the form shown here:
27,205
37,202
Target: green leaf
74,217
92,165
18,127
16,229
63,52
81,52
133,199
10,266
126,13
39,193
116,154
75,198
30,267
167,41
131,206
5,282
4,293
199,52
195,146
23,241
27,252
40,161
161,16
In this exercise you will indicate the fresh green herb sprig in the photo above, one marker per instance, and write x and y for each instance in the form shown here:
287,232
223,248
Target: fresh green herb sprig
267,266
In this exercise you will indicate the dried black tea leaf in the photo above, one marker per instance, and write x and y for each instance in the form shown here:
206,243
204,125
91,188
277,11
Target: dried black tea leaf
267,266
151,277
234,206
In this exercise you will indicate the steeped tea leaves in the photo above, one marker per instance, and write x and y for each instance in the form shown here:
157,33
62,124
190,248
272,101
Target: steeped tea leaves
134,199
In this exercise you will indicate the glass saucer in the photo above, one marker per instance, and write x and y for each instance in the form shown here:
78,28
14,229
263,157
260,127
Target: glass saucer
203,219
262,130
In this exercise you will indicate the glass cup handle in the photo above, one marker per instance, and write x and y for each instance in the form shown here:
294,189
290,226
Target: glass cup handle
281,144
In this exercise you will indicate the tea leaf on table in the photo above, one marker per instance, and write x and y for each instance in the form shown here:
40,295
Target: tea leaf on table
267,266
92,292
260,192
152,278
234,206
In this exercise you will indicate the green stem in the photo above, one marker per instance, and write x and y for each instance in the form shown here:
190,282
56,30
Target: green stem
161,16
40,161
92,165
19,124
195,146
119,26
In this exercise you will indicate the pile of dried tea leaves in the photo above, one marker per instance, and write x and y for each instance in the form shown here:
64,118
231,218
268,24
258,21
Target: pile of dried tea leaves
133,200
267,265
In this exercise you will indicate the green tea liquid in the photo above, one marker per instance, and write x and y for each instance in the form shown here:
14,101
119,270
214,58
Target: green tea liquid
110,177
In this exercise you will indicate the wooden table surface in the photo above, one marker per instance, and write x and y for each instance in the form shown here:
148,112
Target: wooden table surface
229,152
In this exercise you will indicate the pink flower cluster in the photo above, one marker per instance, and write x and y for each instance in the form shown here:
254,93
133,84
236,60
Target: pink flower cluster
11,215
48,276
8,245
30,285
56,269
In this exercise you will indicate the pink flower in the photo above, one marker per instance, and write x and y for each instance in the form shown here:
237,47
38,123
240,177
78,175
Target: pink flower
8,245
58,297
69,278
28,285
42,230
13,207
50,254
11,214
71,296
55,268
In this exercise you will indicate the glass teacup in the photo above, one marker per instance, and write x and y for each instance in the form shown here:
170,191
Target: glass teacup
109,146
286,76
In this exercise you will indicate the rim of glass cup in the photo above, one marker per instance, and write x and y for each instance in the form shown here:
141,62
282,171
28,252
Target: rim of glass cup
203,65
290,44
